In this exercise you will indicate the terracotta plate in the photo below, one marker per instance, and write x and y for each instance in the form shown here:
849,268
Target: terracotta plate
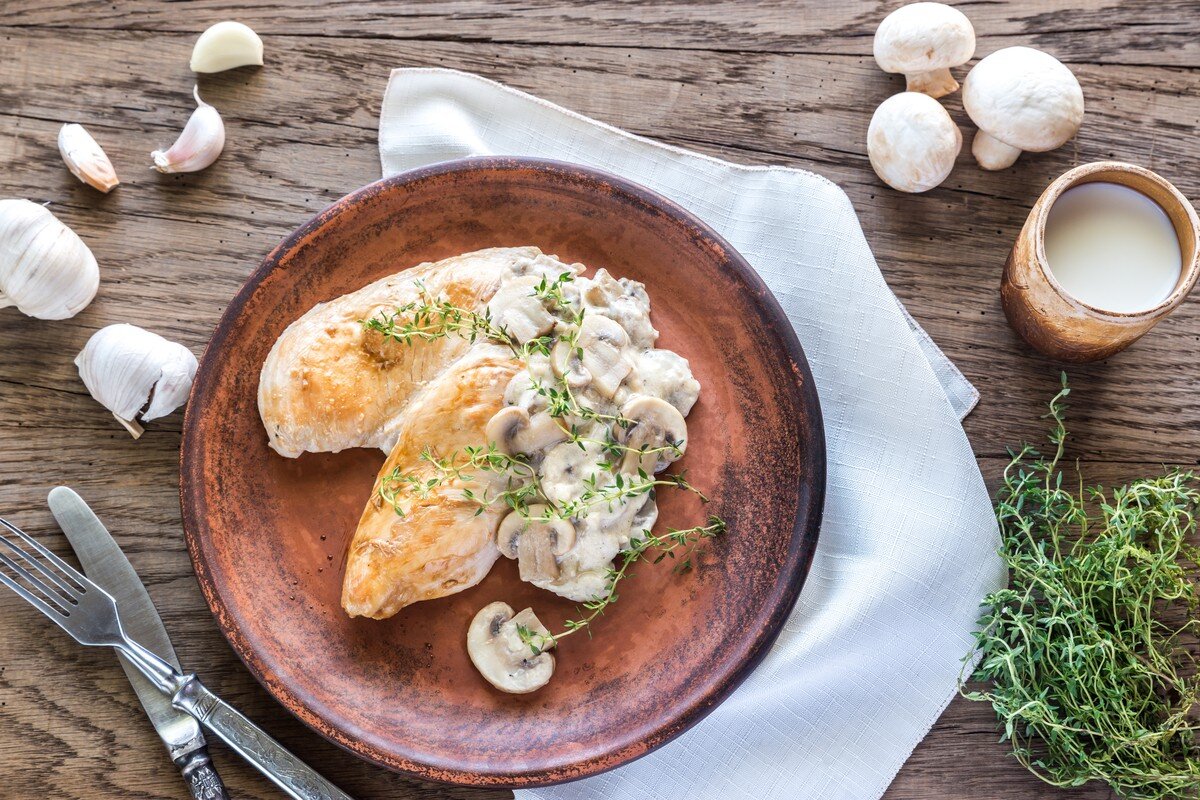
268,534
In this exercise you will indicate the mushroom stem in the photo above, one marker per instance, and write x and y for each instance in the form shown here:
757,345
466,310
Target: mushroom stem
993,154
6,301
935,82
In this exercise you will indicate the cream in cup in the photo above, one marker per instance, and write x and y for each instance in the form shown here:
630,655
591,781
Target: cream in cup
1108,250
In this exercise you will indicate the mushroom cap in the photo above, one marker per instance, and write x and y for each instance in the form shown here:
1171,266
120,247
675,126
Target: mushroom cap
921,37
656,423
912,142
1025,98
496,649
512,430
535,522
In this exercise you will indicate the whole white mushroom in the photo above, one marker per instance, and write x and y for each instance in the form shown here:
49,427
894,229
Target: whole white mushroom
912,142
923,40
1021,99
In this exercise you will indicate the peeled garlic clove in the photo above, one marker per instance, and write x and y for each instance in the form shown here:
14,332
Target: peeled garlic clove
227,45
46,271
136,374
201,142
85,158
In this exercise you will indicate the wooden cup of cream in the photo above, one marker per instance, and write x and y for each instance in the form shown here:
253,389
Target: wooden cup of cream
1108,250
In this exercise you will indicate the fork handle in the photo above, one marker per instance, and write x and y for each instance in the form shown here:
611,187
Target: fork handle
253,744
201,777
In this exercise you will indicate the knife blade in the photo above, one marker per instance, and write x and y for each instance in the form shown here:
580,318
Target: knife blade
105,564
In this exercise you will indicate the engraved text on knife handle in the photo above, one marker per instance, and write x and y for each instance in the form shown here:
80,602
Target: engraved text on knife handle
201,778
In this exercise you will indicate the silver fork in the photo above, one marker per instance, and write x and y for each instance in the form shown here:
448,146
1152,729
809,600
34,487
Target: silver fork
89,614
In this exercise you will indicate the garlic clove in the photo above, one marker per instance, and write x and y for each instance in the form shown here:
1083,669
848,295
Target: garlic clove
85,158
201,142
227,45
46,271
137,375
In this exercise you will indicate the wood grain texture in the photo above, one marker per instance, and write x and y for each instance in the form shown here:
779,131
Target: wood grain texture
766,83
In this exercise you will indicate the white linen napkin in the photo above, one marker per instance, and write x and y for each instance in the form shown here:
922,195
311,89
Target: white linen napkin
871,654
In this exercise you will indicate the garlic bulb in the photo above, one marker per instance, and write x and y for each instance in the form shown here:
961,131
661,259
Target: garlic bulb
136,374
227,45
201,142
85,158
46,271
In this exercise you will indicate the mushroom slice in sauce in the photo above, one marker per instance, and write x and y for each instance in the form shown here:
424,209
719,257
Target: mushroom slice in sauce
534,534
495,647
540,546
516,308
656,424
598,353
514,431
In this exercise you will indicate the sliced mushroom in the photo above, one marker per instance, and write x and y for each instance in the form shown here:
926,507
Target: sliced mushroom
655,424
495,647
566,359
520,390
597,357
558,534
517,309
514,431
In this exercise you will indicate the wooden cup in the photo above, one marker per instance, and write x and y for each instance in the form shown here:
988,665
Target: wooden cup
1060,325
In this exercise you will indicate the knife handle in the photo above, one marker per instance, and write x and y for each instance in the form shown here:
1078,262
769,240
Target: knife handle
200,775
252,743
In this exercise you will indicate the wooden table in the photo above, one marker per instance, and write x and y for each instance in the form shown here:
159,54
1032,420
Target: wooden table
763,83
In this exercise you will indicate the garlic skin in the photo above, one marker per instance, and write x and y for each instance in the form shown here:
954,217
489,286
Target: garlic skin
46,271
128,369
86,159
227,45
201,142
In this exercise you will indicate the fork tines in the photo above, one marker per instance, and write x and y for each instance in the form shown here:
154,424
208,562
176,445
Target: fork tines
55,580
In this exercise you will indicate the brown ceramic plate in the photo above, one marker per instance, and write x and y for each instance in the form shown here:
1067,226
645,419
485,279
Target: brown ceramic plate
268,534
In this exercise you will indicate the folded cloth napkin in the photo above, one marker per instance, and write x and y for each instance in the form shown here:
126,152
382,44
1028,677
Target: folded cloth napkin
872,652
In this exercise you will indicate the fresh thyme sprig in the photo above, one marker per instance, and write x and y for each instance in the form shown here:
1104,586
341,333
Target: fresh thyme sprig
430,318
552,292
666,545
621,488
1086,652
463,466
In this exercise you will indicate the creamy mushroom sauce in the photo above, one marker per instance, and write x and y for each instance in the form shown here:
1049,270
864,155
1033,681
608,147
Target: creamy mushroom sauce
616,363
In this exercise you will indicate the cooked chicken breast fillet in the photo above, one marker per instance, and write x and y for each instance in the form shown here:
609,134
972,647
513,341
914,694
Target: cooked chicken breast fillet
328,384
439,546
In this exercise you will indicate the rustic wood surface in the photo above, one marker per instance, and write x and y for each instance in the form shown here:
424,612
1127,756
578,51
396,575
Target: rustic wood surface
765,83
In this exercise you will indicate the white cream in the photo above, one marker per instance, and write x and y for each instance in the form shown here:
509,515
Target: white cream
1112,247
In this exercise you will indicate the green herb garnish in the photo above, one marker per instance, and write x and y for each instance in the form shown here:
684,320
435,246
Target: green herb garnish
1086,652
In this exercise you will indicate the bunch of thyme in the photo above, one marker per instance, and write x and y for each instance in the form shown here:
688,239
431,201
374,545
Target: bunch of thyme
1086,653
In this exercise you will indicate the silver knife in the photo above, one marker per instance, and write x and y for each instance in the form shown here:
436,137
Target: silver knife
105,564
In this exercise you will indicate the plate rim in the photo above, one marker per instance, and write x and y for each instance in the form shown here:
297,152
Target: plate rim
801,547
